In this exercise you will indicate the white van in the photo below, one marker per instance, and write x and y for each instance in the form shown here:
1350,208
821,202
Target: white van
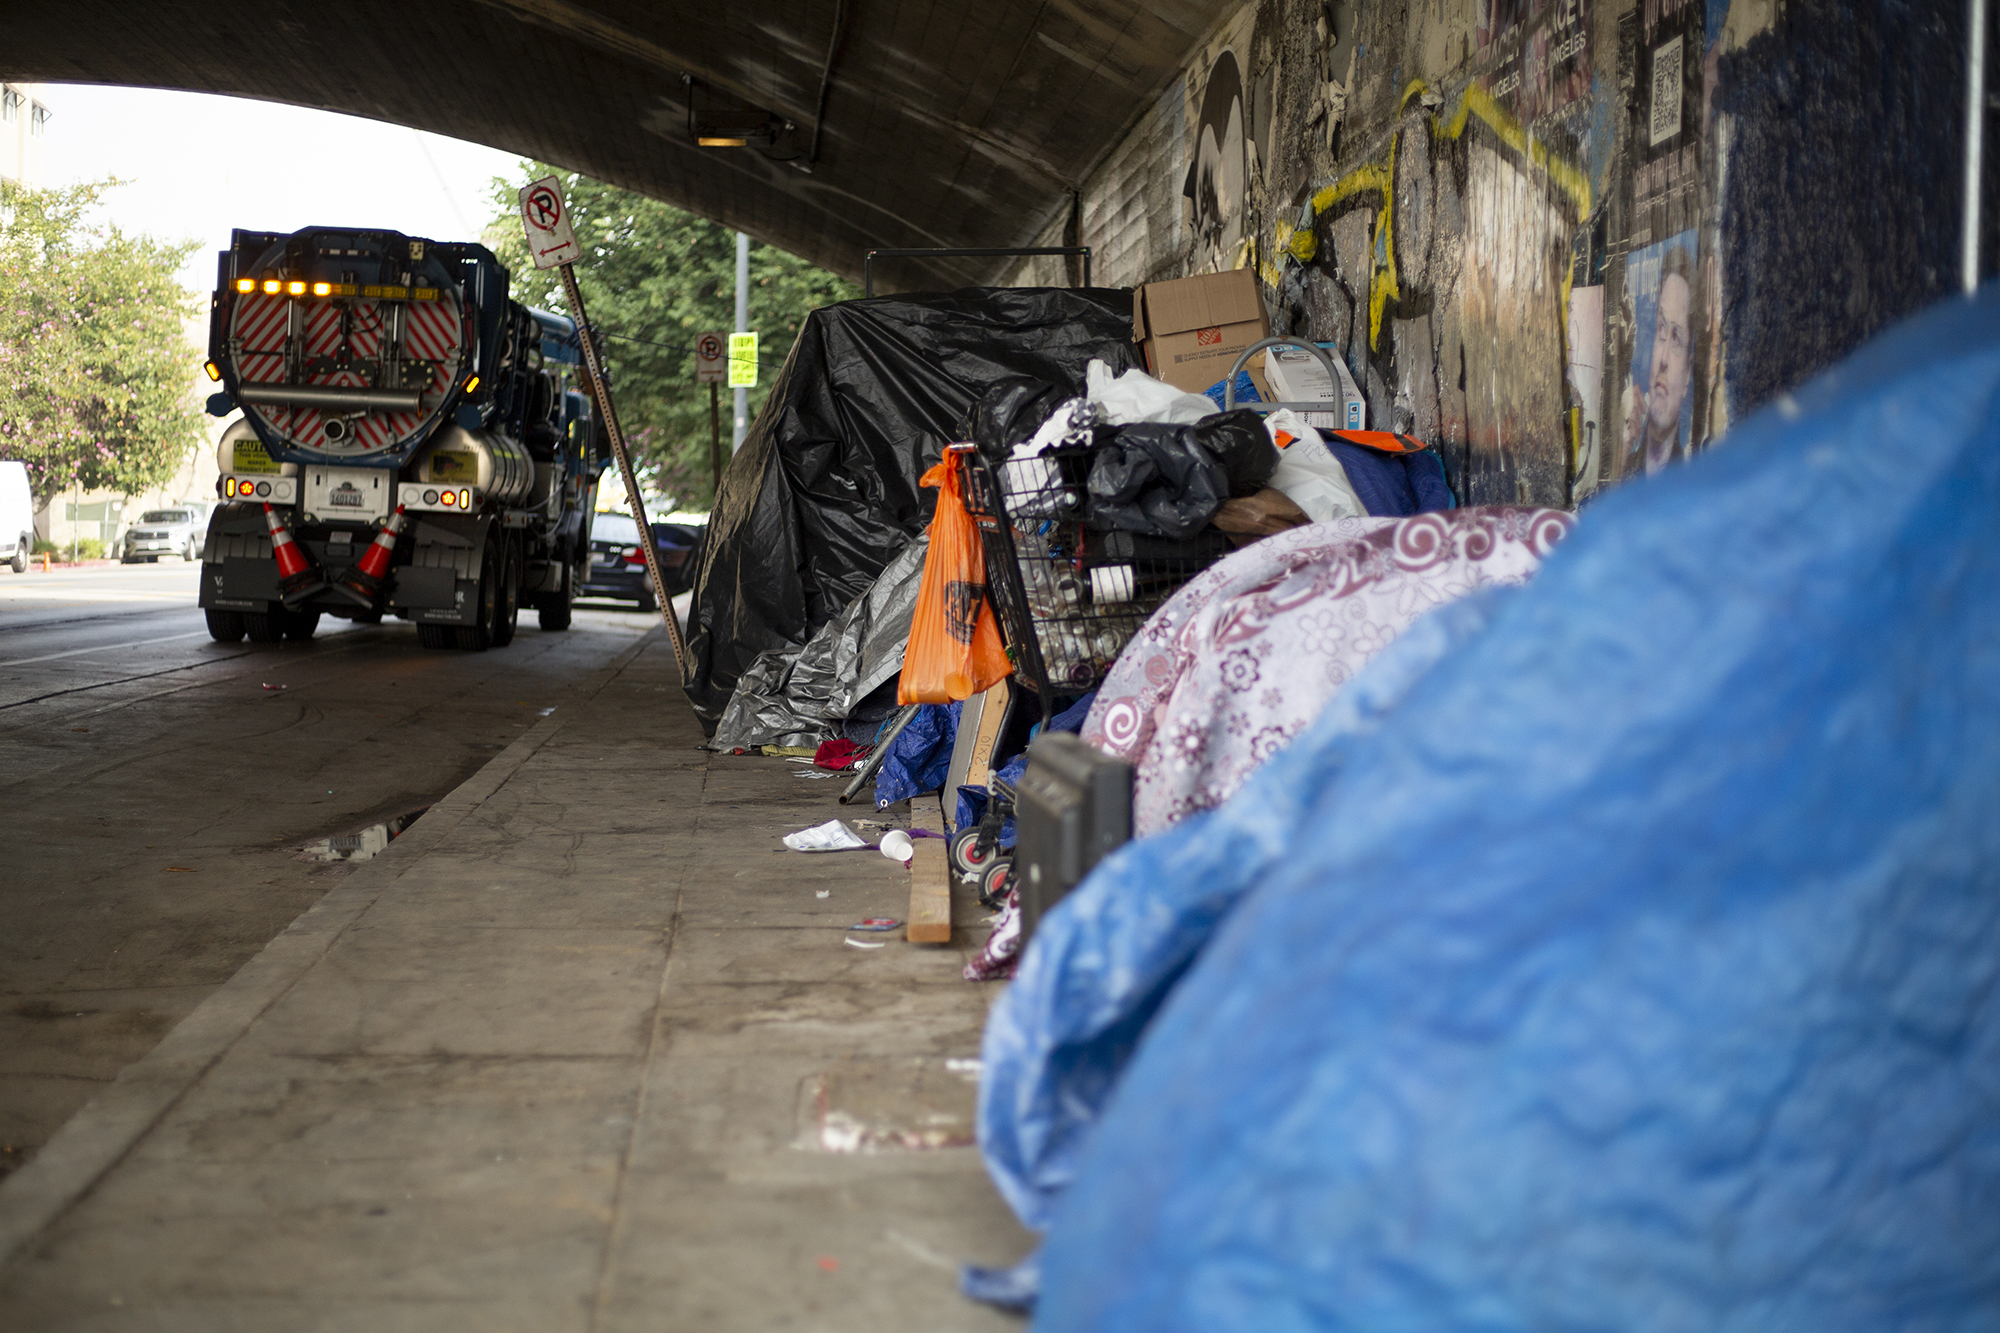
17,517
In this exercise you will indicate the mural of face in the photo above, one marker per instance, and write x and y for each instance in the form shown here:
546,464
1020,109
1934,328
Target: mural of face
1214,188
1667,384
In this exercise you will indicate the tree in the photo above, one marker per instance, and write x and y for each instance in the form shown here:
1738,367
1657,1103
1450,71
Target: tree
654,278
93,347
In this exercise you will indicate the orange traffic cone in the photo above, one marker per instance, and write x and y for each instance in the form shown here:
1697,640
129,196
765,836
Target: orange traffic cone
368,577
297,579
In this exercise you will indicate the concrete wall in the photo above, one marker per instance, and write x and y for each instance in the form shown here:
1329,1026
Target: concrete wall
1566,240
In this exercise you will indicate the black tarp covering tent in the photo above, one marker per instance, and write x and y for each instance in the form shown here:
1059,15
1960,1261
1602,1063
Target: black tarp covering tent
824,490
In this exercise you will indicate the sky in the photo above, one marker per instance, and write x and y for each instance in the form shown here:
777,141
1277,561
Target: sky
200,165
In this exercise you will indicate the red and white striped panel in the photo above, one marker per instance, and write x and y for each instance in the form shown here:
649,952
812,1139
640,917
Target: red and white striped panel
260,325
433,332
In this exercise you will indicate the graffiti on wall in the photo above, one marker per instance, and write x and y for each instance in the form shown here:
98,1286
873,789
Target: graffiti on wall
1442,269
1213,196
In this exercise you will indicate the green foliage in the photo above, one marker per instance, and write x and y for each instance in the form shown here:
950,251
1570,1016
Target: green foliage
89,548
655,278
93,348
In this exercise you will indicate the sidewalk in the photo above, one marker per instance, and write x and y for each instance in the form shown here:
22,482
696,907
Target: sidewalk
584,1049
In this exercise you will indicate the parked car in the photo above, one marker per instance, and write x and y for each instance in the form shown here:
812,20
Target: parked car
163,532
17,517
618,567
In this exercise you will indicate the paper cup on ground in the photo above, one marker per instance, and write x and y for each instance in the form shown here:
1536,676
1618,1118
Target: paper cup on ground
1111,583
896,845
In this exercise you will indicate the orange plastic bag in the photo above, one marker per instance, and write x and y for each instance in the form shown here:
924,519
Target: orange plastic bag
954,650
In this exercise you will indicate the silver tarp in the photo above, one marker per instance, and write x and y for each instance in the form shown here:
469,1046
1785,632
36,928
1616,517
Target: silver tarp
799,696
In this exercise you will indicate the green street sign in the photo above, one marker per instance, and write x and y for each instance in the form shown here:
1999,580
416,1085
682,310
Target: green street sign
742,360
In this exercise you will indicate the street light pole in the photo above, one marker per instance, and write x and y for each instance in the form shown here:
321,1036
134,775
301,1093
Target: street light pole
742,326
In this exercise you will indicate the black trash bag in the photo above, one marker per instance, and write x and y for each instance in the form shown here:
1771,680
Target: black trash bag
1010,412
1153,478
1239,442
824,490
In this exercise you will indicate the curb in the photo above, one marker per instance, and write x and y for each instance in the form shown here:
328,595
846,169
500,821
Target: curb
100,1135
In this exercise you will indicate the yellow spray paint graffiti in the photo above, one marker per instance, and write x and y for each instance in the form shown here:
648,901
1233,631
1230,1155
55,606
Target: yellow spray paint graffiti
1300,243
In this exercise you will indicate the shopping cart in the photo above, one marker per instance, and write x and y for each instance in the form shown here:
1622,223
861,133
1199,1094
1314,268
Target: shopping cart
1068,598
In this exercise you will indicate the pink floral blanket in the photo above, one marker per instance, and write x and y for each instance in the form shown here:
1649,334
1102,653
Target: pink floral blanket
1244,657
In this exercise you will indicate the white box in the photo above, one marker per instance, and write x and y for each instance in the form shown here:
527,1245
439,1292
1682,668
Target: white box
360,493
1297,376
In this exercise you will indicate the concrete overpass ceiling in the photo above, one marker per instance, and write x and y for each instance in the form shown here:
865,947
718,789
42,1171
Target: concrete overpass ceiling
943,125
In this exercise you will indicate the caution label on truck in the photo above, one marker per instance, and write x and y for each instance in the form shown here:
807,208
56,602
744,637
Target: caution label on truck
251,456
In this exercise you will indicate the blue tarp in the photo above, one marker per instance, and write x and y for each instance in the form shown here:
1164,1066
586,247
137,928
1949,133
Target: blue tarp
1635,966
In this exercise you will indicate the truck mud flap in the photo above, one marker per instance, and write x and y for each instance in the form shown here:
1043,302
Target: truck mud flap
425,589
238,583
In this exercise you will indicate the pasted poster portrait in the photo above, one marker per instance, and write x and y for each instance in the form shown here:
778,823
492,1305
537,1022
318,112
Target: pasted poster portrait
1662,285
1213,195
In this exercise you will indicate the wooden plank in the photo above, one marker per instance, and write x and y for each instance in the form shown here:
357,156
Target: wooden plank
929,921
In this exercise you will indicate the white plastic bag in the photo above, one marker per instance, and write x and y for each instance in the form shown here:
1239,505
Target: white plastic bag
832,836
1137,396
1308,473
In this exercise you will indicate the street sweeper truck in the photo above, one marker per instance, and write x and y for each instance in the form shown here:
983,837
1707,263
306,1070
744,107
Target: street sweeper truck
411,442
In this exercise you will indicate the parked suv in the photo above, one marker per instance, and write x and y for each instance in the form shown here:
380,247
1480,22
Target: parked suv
618,567
163,532
17,517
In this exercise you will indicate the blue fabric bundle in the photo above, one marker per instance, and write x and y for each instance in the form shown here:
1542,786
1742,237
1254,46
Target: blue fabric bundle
919,758
1393,485
1626,956
972,797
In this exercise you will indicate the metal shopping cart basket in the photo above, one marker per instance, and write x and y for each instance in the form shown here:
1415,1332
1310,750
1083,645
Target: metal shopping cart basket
1068,599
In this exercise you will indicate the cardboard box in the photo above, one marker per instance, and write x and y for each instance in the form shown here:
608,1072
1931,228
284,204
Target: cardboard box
1193,329
1296,376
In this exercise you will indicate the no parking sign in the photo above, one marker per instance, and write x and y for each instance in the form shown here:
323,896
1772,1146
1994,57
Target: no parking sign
551,239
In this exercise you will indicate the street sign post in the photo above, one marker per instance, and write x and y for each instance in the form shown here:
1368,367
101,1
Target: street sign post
552,243
711,362
742,360
711,368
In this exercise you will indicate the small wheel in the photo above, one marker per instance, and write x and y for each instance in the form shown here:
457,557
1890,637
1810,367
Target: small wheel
963,849
437,636
264,626
301,625
995,880
225,626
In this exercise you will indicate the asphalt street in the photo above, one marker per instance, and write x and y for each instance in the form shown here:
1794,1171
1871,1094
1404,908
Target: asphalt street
156,790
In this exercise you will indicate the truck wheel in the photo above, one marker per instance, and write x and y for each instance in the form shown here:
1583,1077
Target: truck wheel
301,625
437,636
19,564
508,612
225,626
478,636
555,619
264,626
